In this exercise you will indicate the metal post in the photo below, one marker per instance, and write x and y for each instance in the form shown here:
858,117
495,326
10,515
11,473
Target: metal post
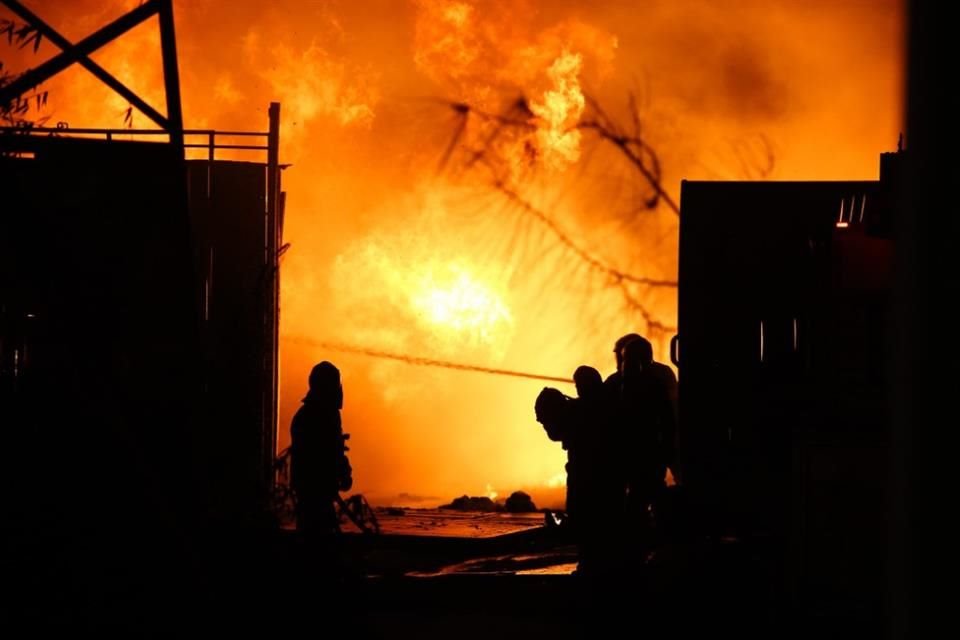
171,74
271,321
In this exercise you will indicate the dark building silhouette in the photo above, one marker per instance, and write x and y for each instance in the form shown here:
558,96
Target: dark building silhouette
137,372
784,315
143,282
138,357
151,281
236,280
138,354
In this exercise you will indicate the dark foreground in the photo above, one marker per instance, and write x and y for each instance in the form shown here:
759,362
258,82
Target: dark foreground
511,578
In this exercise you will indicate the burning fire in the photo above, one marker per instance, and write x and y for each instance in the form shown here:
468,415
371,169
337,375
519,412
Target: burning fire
388,254
411,287
559,111
557,481
455,300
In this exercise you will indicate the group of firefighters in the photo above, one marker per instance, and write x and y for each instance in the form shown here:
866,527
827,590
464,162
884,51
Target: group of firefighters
619,435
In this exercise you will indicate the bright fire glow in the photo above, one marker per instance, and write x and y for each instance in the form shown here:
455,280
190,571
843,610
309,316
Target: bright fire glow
557,481
455,300
559,111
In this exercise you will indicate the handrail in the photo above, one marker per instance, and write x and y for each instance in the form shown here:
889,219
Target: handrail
87,130
111,134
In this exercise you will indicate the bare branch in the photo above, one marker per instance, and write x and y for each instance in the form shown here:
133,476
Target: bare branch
14,113
614,275
627,145
519,122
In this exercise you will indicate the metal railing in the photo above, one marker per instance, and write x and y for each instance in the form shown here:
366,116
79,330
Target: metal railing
193,138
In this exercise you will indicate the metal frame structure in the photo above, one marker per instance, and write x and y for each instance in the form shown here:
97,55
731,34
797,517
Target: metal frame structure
19,140
79,53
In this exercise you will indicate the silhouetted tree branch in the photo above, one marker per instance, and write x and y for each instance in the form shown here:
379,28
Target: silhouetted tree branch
637,152
14,113
615,276
503,133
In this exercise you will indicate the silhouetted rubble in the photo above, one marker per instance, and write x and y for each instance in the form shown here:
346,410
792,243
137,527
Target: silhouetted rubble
473,503
520,502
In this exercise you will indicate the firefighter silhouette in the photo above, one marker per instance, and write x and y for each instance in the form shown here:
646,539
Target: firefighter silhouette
586,427
319,467
647,419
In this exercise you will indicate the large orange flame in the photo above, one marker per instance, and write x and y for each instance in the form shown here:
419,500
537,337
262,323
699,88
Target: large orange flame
390,254
559,111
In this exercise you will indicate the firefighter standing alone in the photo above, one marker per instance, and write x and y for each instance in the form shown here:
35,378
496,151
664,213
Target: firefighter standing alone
318,455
